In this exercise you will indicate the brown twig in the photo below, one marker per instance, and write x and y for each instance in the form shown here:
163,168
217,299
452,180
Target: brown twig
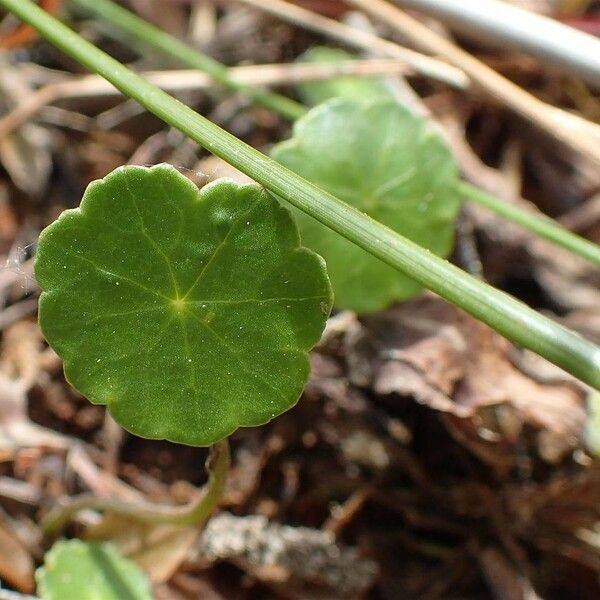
362,40
578,133
183,80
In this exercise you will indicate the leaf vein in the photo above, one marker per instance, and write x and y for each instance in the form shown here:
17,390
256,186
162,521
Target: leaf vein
219,248
245,367
138,311
150,239
106,271
257,300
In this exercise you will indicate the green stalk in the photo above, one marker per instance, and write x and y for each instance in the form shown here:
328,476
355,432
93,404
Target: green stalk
195,513
150,35
543,226
505,314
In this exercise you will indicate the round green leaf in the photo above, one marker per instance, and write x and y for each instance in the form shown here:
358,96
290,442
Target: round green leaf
76,570
188,313
384,160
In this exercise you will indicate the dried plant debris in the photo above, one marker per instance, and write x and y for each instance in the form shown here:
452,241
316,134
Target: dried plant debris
438,355
16,561
25,154
562,516
19,370
571,282
427,459
290,555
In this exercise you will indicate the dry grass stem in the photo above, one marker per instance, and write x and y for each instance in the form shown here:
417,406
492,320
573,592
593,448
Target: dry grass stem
185,80
576,132
362,40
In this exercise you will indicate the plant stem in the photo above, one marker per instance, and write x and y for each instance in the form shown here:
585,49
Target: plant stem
540,224
195,513
152,36
505,314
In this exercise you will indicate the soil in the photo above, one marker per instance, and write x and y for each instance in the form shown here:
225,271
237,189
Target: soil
428,457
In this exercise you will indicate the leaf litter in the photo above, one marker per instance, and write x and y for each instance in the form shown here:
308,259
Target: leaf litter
454,462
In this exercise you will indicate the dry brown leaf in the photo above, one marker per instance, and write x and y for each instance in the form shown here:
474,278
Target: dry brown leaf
24,153
556,515
503,578
16,563
21,347
16,430
213,167
572,282
431,351
158,549
187,587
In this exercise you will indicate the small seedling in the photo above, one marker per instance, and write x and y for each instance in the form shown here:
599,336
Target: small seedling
188,313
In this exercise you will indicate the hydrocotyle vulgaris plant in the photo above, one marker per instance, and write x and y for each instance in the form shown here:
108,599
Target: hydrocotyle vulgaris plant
313,93
120,19
379,157
187,313
388,162
366,89
505,314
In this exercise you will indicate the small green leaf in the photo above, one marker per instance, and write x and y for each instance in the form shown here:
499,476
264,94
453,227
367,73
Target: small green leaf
76,570
347,86
382,159
188,313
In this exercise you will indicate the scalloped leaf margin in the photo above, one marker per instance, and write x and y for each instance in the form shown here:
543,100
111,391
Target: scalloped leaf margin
189,313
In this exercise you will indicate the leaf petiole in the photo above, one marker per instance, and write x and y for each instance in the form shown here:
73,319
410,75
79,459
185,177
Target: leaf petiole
195,513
